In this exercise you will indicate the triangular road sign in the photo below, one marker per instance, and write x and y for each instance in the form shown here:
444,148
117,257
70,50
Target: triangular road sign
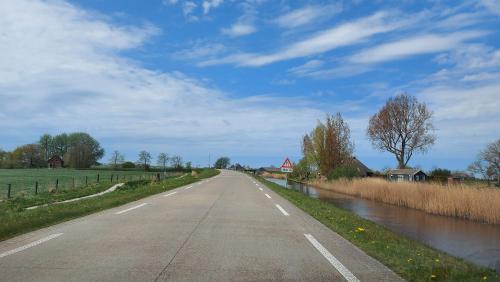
287,164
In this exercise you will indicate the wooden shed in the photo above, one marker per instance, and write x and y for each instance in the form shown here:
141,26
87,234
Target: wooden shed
411,175
55,162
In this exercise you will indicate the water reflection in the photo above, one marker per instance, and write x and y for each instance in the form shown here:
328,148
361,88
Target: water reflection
472,241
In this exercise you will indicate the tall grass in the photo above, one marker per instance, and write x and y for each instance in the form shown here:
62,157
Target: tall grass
266,174
473,203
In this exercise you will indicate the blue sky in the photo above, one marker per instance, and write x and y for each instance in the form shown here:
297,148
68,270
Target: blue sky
247,79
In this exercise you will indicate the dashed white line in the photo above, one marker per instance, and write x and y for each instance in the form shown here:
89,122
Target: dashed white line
132,208
334,261
189,187
32,244
269,197
282,210
169,194
261,189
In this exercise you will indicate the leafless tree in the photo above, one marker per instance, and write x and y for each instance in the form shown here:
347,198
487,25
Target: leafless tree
176,161
162,160
402,127
488,162
116,158
145,159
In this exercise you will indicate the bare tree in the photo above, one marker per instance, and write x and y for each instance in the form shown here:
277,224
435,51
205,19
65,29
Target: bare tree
162,160
176,161
488,162
116,158
402,127
145,158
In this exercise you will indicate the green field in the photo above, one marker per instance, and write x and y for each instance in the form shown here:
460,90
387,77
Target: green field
23,180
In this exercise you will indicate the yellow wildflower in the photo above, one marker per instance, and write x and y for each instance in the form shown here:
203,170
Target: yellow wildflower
433,276
437,260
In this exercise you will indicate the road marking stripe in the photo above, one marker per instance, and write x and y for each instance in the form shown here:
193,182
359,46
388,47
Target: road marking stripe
268,196
32,244
169,194
282,210
189,187
132,208
261,189
334,261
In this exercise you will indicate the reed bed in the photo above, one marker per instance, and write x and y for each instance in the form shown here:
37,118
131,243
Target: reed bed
266,174
473,203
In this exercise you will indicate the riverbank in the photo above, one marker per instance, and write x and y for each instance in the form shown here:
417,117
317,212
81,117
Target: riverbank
410,259
463,201
17,220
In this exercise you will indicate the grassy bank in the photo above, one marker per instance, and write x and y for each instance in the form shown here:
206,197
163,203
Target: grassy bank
15,219
411,260
275,175
464,201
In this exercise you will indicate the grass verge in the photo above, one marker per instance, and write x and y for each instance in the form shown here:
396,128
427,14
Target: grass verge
15,219
411,260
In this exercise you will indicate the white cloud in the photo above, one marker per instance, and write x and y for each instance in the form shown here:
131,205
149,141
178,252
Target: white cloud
62,70
421,44
210,4
199,50
306,15
492,5
239,29
169,2
188,8
343,35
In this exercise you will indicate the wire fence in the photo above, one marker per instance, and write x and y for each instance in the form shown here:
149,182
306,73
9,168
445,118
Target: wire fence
12,186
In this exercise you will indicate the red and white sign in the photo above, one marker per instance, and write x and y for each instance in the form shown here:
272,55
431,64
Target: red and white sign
287,166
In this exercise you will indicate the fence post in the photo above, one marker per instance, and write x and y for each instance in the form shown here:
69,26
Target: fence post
111,178
73,183
57,184
8,191
98,178
86,180
36,187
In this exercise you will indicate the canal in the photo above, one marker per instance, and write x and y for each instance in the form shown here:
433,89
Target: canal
475,242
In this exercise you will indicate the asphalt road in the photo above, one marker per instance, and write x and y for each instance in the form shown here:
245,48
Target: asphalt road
227,228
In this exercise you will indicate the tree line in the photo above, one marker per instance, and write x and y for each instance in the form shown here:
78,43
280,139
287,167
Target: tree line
144,160
78,150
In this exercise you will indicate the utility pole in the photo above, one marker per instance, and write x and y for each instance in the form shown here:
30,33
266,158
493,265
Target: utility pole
209,162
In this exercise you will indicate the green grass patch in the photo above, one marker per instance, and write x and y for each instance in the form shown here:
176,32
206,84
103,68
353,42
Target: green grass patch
23,180
410,259
15,219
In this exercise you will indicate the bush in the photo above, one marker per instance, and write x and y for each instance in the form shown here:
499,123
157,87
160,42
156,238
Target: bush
343,171
128,165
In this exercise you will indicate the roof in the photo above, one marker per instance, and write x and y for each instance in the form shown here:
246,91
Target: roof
406,171
56,157
362,168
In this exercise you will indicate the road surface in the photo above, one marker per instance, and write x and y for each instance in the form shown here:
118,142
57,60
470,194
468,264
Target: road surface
227,228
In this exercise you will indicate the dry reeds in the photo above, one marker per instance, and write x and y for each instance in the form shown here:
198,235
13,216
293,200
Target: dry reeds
469,202
273,175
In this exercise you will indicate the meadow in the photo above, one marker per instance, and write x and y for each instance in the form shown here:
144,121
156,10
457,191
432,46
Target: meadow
478,203
23,181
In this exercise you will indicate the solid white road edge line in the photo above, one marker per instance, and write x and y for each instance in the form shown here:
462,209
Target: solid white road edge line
282,210
334,261
261,189
169,194
268,196
132,208
32,244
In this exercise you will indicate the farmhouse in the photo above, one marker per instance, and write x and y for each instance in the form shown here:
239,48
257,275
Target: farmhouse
401,175
55,162
362,169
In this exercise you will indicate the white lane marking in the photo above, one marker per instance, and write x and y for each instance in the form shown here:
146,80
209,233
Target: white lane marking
261,189
334,261
200,183
282,210
32,244
169,194
132,208
189,187
256,184
268,196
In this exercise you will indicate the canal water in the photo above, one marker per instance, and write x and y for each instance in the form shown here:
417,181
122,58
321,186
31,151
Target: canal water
475,242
